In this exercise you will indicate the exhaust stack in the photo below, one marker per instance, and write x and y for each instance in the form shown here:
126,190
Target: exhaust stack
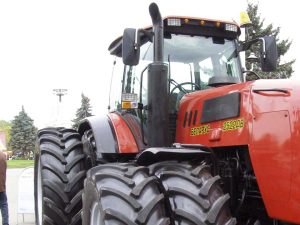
158,93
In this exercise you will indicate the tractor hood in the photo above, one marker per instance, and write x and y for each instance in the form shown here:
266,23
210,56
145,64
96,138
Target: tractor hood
217,116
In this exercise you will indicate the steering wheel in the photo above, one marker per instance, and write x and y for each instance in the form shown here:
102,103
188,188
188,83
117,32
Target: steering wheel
179,86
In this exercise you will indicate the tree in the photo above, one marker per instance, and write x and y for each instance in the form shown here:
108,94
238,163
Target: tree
84,111
284,70
22,133
5,127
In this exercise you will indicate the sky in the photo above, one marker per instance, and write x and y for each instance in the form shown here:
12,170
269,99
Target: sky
46,45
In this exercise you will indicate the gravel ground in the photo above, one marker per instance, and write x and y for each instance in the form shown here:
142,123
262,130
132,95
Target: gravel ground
12,189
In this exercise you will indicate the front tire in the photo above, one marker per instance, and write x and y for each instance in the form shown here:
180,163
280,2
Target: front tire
195,196
122,194
59,176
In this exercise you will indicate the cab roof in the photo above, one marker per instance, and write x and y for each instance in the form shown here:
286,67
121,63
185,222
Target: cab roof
188,26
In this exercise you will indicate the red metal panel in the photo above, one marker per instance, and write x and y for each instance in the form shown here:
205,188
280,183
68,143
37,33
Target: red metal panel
125,138
212,134
271,130
274,147
271,154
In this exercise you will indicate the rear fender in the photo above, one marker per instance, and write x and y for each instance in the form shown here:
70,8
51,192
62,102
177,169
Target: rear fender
103,133
111,133
123,133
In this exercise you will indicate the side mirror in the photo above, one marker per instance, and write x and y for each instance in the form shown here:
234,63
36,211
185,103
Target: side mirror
131,47
268,53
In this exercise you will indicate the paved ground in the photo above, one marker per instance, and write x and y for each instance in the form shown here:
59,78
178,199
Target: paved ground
12,186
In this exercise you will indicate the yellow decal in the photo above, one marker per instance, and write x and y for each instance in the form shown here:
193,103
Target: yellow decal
233,124
200,130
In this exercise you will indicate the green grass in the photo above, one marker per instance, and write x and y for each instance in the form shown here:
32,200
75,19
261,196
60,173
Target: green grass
19,163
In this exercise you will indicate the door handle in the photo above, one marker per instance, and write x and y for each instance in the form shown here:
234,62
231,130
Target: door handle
285,91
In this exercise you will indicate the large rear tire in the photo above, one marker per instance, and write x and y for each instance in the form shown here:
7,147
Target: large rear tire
59,176
122,194
195,196
89,148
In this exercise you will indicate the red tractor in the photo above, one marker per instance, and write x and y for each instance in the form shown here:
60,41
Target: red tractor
187,142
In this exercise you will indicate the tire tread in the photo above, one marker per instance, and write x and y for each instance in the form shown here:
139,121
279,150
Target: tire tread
195,196
59,151
128,186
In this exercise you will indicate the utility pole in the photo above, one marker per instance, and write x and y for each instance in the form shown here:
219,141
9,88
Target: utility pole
60,93
58,109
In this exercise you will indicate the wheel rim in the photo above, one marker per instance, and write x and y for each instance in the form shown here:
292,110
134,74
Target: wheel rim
39,194
95,215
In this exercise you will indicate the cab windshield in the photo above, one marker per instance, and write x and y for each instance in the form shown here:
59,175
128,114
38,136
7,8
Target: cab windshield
192,61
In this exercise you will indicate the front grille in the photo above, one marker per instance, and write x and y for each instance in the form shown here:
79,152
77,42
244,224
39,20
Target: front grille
172,127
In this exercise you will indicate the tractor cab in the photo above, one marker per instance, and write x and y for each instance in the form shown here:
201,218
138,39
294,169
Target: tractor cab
158,65
199,54
195,54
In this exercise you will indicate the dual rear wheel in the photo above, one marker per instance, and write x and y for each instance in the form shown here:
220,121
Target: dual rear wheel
161,194
164,193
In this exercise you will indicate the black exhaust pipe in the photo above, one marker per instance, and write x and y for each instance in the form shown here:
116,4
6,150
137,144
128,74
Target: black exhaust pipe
158,93
158,30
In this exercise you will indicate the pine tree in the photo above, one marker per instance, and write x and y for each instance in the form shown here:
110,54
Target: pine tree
84,111
284,70
22,133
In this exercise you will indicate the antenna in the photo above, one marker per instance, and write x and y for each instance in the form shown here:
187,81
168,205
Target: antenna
60,93
111,80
